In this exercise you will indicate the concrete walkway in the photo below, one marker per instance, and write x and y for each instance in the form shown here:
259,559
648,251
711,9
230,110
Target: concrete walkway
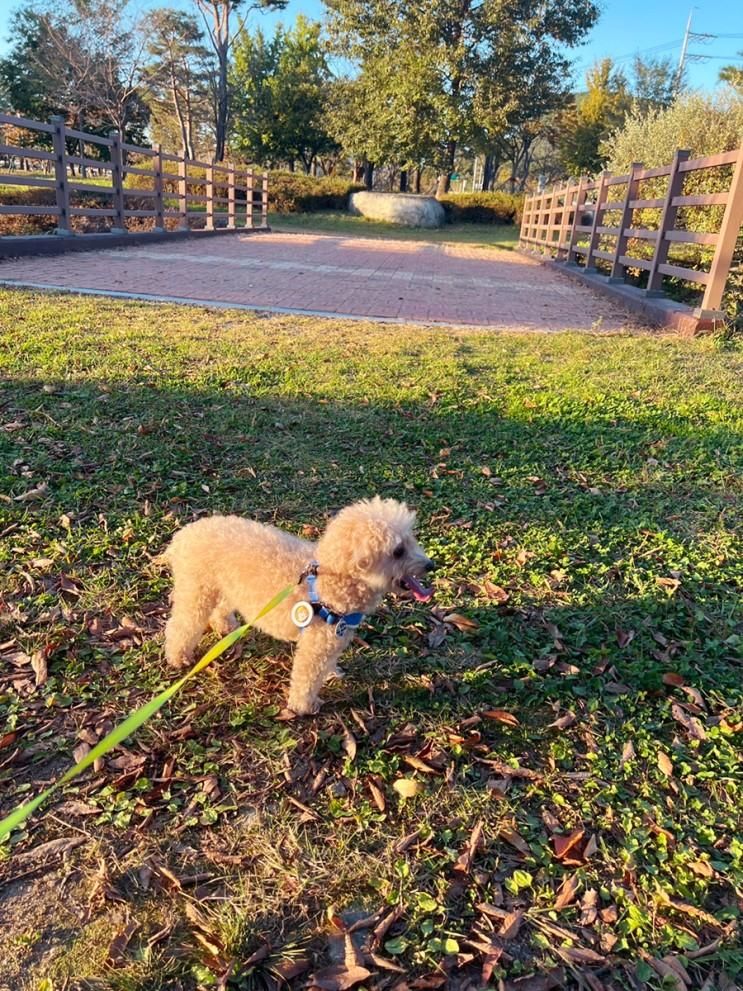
335,276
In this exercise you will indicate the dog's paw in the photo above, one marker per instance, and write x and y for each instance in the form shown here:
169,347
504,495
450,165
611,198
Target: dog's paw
179,661
335,673
300,707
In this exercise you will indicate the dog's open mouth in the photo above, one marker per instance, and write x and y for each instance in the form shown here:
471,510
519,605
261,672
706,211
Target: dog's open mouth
412,585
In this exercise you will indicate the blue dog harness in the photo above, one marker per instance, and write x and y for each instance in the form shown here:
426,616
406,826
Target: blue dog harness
305,611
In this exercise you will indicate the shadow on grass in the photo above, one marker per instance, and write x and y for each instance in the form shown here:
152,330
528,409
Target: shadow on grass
593,524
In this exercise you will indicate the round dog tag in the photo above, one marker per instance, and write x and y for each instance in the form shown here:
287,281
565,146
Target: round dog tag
302,614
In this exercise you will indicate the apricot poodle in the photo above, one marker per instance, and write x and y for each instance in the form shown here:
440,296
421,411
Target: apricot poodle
224,565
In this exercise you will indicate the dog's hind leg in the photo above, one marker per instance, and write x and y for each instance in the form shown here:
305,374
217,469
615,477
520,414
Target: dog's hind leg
317,653
192,607
222,619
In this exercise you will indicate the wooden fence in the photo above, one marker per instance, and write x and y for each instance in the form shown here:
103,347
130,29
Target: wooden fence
228,195
569,223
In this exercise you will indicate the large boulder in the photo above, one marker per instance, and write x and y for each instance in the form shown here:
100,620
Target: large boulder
407,209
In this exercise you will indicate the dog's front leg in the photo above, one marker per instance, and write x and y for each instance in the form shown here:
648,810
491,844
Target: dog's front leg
316,656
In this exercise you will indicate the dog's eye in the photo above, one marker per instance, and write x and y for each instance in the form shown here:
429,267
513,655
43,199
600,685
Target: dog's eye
399,551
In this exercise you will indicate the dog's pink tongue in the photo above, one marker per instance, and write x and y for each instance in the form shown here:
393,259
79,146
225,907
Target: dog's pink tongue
420,593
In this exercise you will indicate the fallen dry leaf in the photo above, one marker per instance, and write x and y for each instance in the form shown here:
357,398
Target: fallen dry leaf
625,637
511,925
500,716
580,954
515,839
32,494
349,742
377,793
407,787
116,956
567,892
565,844
628,752
675,680
690,723
665,764
462,623
495,592
669,584
464,862
564,721
589,907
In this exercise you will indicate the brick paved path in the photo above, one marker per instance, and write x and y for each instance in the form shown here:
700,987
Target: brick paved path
397,280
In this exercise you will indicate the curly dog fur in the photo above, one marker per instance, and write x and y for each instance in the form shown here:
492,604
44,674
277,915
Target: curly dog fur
224,565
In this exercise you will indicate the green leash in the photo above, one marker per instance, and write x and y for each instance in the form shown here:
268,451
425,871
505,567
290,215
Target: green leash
136,719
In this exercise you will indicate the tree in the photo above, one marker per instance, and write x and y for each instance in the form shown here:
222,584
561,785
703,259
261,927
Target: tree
655,82
177,73
218,20
594,116
733,75
476,56
81,59
280,89
385,114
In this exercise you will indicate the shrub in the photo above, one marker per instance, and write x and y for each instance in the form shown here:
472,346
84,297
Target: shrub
294,192
482,208
703,123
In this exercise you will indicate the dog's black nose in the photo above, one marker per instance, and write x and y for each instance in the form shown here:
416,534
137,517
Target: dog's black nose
430,565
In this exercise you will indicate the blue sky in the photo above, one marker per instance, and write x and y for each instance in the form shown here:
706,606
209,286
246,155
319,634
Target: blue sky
624,28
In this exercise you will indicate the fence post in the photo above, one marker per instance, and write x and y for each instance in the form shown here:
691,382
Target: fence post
621,246
182,192
667,222
564,222
231,197
249,198
209,225
523,231
60,176
157,163
580,199
729,229
117,181
594,239
264,201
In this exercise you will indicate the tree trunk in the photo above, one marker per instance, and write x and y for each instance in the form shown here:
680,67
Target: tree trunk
444,181
488,173
418,172
369,174
358,170
403,180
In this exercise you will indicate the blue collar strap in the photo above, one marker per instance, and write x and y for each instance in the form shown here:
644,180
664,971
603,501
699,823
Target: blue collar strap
304,612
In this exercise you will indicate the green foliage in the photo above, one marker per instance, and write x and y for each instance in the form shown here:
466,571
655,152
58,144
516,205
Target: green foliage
462,69
602,109
292,192
700,122
279,88
482,208
733,75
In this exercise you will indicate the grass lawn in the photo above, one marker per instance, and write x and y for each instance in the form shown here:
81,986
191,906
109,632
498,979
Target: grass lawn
482,235
568,710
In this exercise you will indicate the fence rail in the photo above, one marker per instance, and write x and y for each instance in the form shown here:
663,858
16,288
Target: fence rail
230,196
586,221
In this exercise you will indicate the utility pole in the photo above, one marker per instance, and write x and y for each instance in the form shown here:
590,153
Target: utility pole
682,58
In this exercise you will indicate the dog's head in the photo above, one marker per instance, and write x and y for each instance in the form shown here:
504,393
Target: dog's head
373,541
